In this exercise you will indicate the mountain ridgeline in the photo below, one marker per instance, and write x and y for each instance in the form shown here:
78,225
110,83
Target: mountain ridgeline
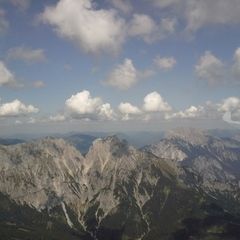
186,186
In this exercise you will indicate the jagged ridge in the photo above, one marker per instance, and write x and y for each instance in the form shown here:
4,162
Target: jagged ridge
114,190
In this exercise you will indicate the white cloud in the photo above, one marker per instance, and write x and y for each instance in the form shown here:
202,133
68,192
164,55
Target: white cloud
210,68
154,102
98,30
230,118
124,5
199,13
165,63
230,107
191,112
16,108
7,78
143,26
106,112
3,22
228,110
26,54
123,76
128,110
21,4
94,30
230,104
83,106
57,118
83,103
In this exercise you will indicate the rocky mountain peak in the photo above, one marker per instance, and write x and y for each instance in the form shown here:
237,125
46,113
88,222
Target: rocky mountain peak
111,144
117,187
191,135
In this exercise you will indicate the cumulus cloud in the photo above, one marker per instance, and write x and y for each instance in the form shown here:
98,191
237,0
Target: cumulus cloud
124,5
227,110
103,30
191,112
82,106
106,112
143,26
165,63
154,102
26,54
228,117
199,13
16,108
214,71
4,24
230,104
85,107
7,78
230,107
128,110
123,76
210,68
83,103
94,30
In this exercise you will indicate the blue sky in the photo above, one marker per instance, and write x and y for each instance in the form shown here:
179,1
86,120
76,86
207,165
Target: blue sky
104,65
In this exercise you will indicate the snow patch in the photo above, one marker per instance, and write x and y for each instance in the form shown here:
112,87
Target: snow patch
69,222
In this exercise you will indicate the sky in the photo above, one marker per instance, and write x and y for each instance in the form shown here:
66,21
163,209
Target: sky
118,65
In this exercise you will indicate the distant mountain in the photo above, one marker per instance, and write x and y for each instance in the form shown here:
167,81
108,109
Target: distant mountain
82,142
181,188
224,133
10,141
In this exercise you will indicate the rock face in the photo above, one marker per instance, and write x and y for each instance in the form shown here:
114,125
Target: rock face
118,192
207,162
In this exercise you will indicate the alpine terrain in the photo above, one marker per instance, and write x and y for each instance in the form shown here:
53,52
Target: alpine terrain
186,186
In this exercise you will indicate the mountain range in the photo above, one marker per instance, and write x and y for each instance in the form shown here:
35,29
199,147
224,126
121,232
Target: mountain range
185,186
